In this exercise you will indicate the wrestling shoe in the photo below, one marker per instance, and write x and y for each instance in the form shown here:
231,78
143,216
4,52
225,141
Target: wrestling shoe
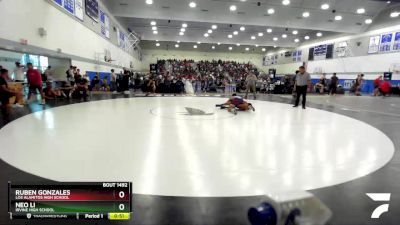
252,107
234,111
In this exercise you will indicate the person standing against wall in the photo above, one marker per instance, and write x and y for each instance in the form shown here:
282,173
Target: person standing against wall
113,81
49,73
303,79
377,84
19,72
359,84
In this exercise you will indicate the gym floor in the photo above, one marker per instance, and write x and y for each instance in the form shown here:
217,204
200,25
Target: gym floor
209,169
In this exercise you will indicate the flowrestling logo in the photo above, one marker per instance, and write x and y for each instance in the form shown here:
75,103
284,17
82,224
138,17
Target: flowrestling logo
380,197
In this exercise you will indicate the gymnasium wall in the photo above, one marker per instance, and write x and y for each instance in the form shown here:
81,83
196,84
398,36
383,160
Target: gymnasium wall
151,56
357,60
23,18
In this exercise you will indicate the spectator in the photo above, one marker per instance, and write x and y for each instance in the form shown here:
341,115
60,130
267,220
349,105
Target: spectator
377,84
6,93
19,72
151,86
49,73
66,89
113,81
81,88
50,93
70,75
358,84
35,82
320,86
95,85
385,88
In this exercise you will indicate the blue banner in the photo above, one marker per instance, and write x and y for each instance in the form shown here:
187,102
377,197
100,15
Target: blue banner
58,2
396,45
69,5
386,42
386,38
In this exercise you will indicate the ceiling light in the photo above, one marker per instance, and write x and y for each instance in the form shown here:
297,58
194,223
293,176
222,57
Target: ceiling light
284,35
155,32
157,44
253,37
153,28
235,32
260,34
338,17
325,6
181,33
213,47
176,46
153,23
230,36
295,32
198,42
307,37
238,44
149,2
230,48
247,49
394,14
194,46
233,8
306,14
184,25
209,31
178,42
360,11
269,30
285,2
271,11
183,29
296,40
368,21
263,49
275,46
192,4
214,27
206,35
256,46
319,34
275,39
388,2
218,43
242,28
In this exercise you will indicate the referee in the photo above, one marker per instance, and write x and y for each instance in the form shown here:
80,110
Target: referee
303,79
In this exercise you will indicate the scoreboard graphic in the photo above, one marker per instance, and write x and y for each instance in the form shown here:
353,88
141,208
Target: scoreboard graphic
79,201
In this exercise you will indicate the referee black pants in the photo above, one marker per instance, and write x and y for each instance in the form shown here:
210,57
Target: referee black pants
301,90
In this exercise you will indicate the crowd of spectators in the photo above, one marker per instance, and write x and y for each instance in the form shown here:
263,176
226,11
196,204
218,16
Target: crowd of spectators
203,76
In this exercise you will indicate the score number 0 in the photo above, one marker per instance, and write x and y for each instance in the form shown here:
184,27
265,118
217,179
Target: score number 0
121,195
